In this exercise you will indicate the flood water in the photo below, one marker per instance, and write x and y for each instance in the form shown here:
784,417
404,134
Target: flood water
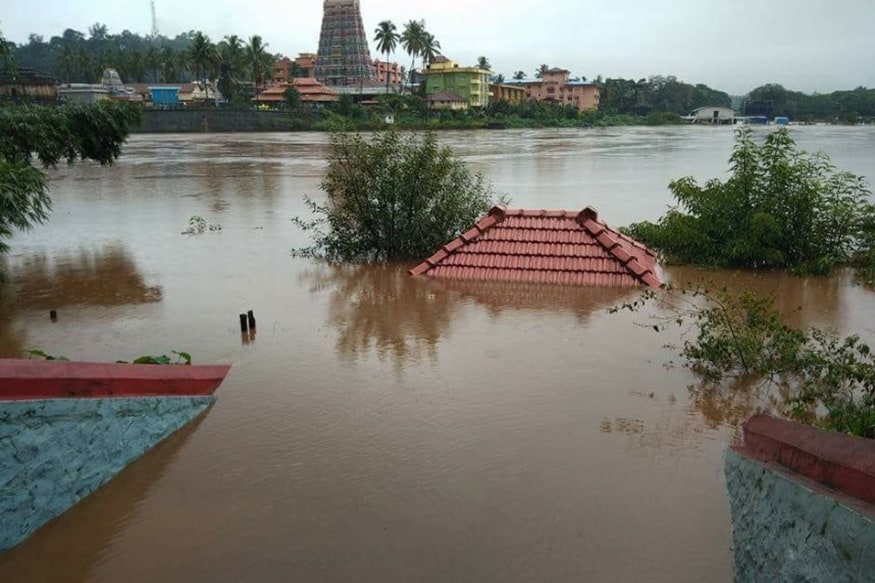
379,427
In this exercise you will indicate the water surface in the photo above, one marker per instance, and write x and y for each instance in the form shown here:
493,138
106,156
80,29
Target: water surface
379,427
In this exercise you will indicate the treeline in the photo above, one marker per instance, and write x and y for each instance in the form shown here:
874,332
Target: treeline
657,94
74,57
843,106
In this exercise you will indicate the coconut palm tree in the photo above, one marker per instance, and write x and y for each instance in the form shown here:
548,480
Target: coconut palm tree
255,55
168,67
430,48
519,75
153,61
200,55
541,71
412,40
231,61
483,63
386,37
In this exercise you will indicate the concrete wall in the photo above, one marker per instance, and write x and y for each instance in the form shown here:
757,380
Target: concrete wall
789,527
54,452
215,120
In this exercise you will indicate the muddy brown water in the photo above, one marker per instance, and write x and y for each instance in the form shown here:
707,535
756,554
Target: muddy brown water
379,427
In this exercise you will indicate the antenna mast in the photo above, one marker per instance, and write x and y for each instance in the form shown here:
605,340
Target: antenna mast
154,21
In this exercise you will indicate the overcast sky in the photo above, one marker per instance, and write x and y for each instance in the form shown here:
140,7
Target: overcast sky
733,45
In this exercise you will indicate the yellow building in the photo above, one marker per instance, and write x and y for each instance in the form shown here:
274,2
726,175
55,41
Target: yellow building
512,94
470,83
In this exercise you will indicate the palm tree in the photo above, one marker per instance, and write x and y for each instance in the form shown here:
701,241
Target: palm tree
200,55
499,78
168,65
412,40
255,54
231,60
541,71
386,37
430,48
483,63
519,75
153,61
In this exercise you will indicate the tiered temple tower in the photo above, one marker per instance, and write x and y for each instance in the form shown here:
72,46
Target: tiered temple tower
344,57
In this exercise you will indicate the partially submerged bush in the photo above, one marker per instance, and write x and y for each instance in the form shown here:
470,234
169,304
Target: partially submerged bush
823,379
781,208
392,197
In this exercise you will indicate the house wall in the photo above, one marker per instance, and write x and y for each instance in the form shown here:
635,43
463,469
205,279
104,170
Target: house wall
55,452
510,93
468,82
801,502
556,87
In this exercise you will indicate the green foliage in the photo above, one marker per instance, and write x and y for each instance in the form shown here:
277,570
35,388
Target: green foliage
198,225
37,353
823,379
392,197
780,208
657,94
49,135
841,106
178,358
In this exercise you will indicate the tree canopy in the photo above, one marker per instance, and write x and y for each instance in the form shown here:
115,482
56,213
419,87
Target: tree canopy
780,208
393,197
48,136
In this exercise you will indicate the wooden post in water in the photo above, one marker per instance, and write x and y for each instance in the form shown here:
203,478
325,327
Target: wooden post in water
251,317
53,315
243,323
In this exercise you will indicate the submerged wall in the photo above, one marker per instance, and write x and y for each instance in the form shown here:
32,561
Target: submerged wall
54,452
792,516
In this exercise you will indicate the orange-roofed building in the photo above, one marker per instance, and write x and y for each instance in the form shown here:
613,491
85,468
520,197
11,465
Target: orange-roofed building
310,90
541,246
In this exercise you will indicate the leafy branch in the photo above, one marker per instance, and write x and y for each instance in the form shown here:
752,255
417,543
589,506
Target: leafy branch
823,379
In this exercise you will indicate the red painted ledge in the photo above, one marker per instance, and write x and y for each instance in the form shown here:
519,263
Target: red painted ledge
52,379
840,462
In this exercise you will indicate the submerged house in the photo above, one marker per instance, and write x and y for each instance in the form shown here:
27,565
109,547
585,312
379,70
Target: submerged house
543,246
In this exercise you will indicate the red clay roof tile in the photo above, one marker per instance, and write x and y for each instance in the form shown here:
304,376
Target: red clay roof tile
544,246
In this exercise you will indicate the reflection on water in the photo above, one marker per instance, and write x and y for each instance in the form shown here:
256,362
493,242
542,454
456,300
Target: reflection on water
89,276
68,547
481,432
381,307
104,276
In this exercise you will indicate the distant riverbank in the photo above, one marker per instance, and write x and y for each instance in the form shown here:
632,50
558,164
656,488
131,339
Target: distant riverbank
213,120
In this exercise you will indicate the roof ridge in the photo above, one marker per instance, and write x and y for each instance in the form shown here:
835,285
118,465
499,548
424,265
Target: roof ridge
495,216
609,239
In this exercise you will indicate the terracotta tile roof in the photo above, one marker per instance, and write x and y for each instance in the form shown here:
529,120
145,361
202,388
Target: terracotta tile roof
447,97
541,246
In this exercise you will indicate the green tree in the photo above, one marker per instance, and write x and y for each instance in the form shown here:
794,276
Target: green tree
519,75
392,197
231,60
49,135
413,40
541,70
431,48
780,208
483,63
386,36
201,54
255,54
292,97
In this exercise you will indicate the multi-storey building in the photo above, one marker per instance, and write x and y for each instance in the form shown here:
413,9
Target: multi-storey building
287,69
384,69
469,83
556,86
